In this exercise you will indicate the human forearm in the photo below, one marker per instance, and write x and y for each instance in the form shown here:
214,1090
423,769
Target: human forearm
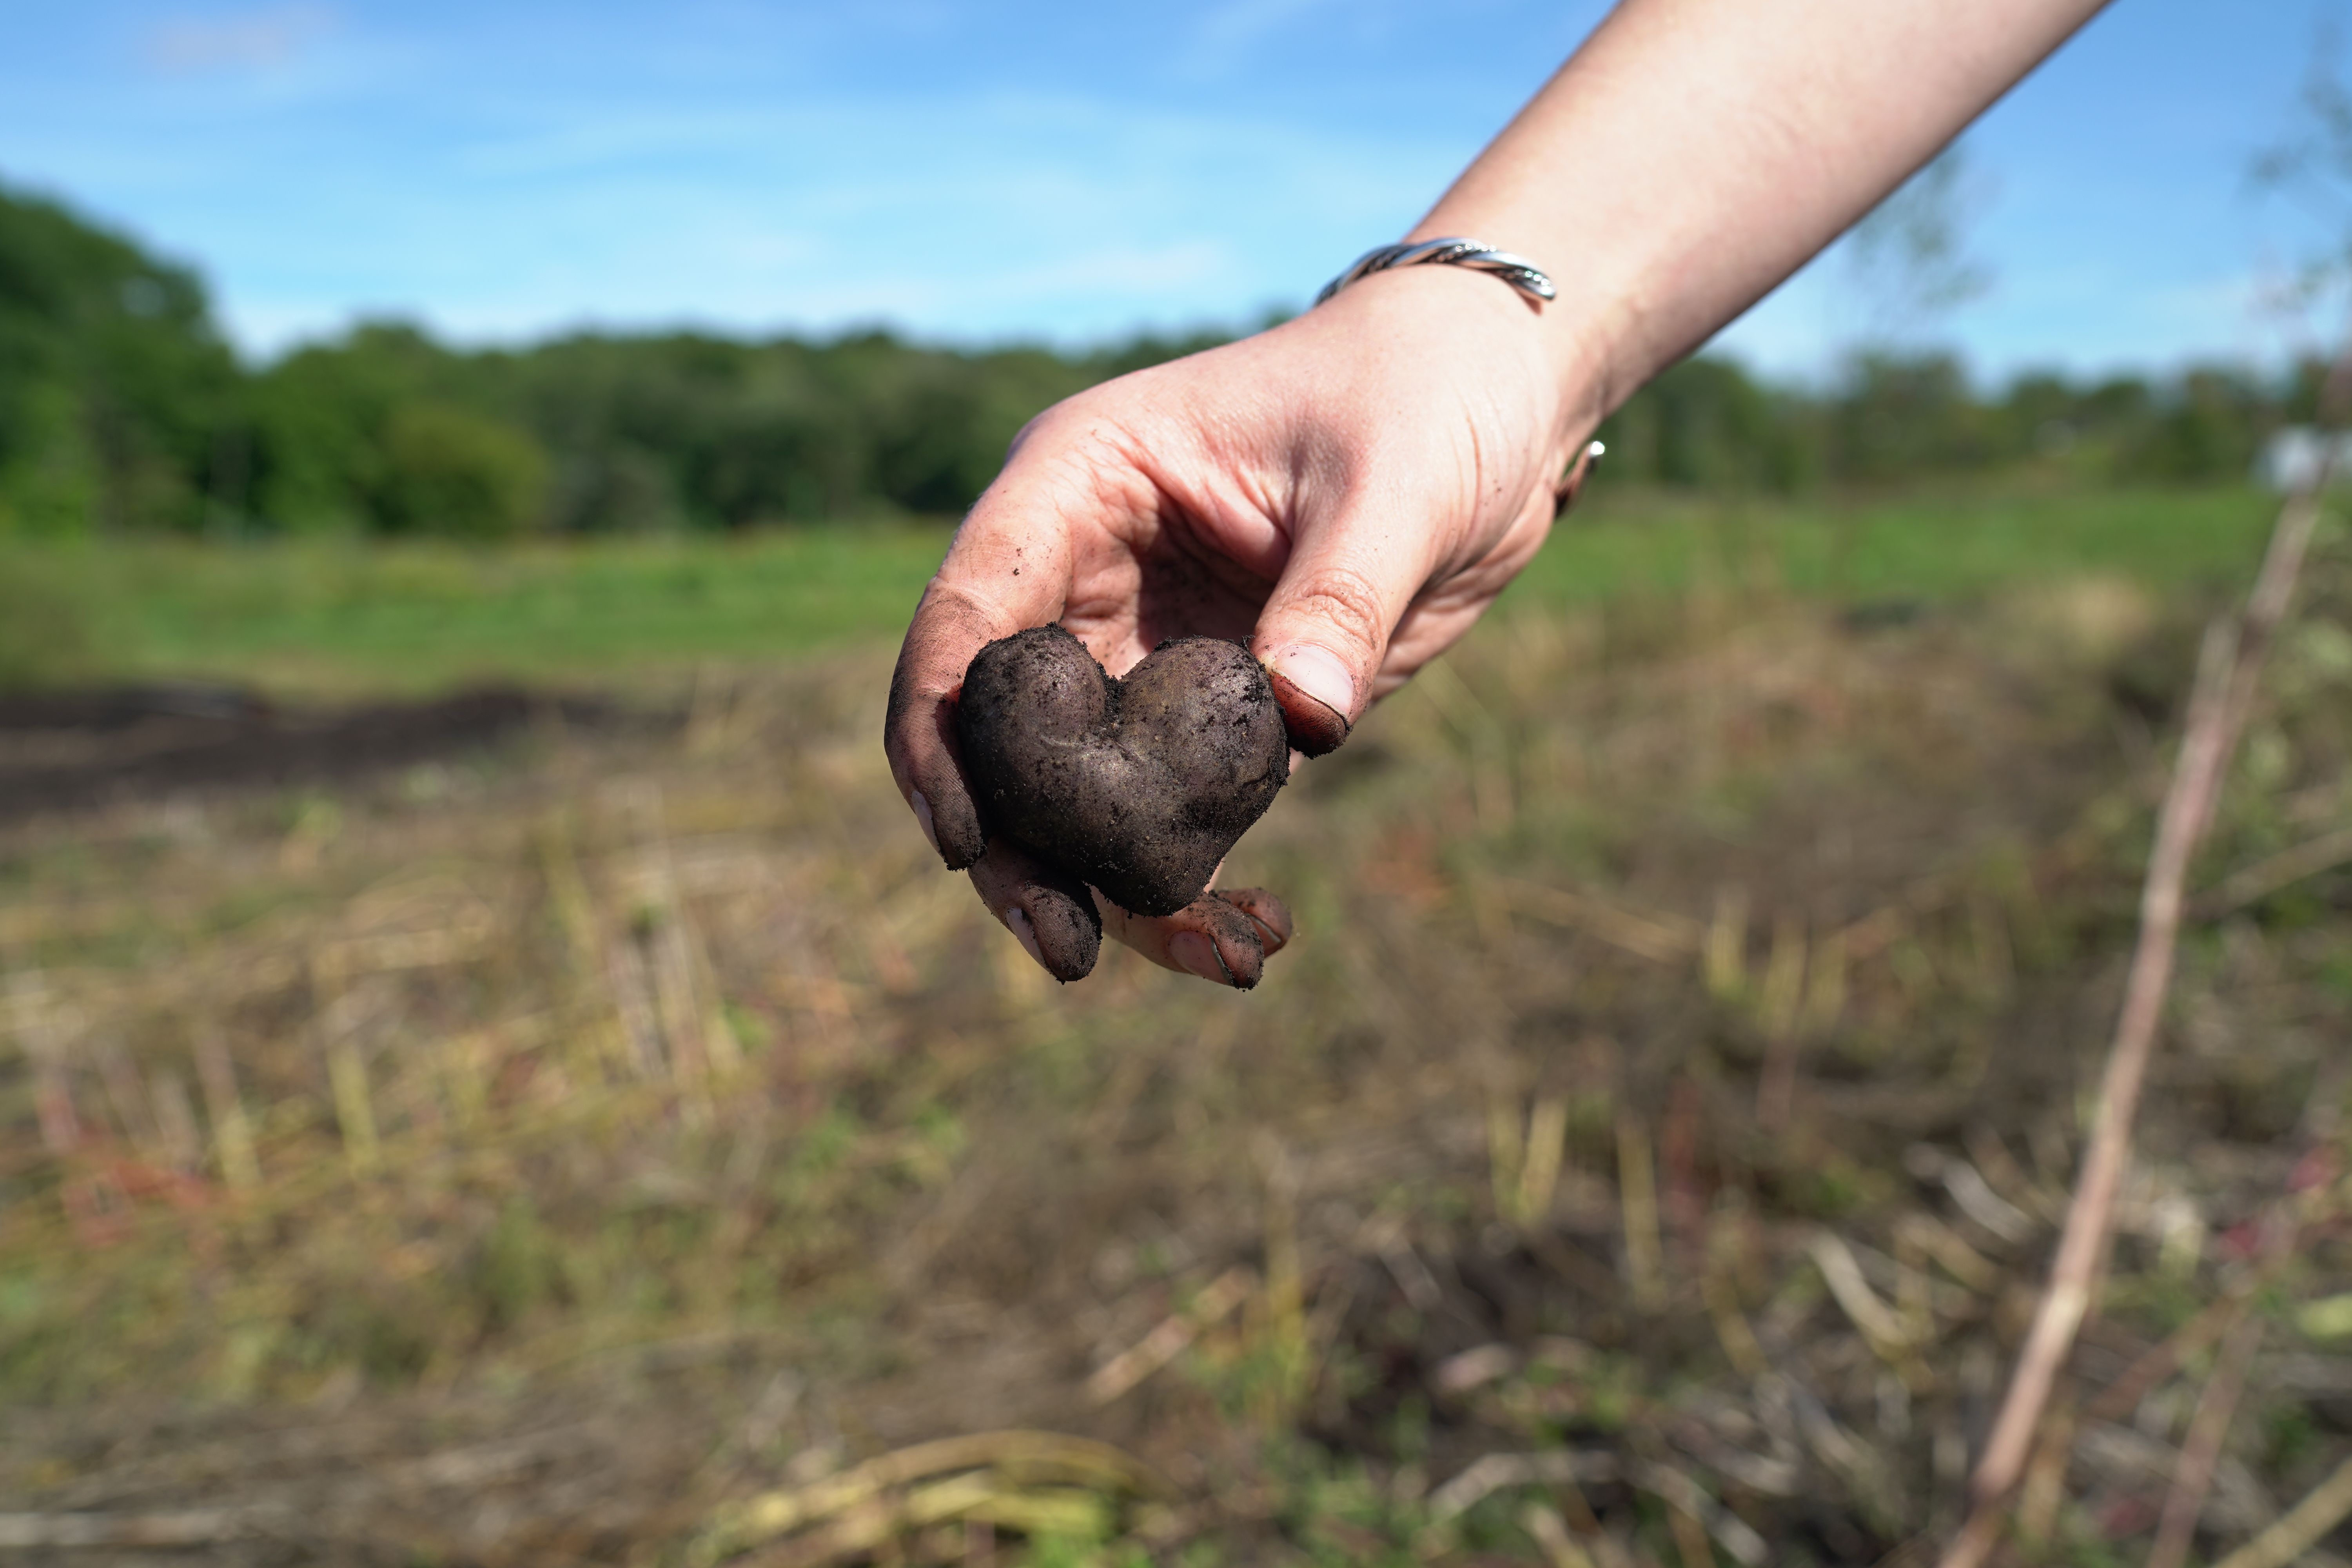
1694,153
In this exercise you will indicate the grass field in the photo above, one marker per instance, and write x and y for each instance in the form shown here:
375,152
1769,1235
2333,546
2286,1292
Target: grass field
341,619
624,1145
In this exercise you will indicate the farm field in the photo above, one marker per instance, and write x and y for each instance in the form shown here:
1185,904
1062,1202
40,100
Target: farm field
338,620
604,1135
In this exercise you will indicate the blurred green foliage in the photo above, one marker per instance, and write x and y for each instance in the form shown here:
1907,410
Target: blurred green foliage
120,408
44,631
113,384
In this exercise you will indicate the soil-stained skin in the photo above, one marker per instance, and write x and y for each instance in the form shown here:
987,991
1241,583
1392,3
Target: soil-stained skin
1138,786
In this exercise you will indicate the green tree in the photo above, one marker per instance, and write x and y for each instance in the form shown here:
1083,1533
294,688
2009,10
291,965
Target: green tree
1707,424
447,471
387,432
118,399
1894,415
2209,428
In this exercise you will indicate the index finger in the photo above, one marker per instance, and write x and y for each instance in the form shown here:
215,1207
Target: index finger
1008,569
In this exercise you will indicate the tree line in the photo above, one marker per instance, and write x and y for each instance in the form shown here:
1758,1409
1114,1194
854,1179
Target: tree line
122,407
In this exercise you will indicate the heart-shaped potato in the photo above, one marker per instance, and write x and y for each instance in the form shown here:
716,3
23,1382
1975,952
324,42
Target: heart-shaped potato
1139,786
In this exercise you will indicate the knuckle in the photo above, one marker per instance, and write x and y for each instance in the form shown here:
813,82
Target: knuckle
954,620
1344,599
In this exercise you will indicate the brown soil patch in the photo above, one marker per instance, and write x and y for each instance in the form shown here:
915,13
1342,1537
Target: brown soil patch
75,749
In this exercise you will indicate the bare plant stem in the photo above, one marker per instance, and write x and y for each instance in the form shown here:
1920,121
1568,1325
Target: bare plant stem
2228,670
2303,1527
2192,1477
2082,1243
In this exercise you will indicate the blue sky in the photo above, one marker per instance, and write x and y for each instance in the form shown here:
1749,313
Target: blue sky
978,173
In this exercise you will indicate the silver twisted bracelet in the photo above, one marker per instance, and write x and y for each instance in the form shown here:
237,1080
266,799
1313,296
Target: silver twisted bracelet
1516,271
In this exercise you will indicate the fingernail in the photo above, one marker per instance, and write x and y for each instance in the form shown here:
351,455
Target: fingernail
1198,954
1017,923
1268,913
1317,672
923,818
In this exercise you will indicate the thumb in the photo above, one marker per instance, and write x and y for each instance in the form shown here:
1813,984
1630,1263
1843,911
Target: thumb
1325,629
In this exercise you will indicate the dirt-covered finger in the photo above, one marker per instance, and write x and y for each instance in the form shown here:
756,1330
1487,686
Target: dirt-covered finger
918,736
1326,627
1268,913
1211,936
1051,913
982,594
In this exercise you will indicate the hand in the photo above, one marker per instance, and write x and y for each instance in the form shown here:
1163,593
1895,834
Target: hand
1349,491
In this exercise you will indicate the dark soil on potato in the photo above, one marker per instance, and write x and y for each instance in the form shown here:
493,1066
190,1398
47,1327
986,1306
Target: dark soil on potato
1138,785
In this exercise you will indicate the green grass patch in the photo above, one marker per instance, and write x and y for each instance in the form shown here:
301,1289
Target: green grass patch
344,618
347,618
1927,547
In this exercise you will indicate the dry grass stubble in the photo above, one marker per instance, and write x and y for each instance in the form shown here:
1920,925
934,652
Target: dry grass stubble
634,1149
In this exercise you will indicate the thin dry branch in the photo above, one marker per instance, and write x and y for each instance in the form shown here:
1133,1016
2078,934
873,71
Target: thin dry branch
2121,1397
2301,1527
2193,1478
2307,1201
2229,668
2259,880
1170,1339
186,1527
2082,1243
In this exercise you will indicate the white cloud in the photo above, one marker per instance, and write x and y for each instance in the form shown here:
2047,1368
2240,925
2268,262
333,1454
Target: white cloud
241,41
1226,40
